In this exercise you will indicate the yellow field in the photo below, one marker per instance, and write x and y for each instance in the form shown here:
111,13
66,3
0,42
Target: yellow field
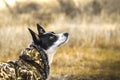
93,50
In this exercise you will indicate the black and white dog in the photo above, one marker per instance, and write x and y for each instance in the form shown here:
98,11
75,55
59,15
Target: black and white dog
34,61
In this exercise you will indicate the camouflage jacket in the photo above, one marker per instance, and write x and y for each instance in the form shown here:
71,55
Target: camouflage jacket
31,65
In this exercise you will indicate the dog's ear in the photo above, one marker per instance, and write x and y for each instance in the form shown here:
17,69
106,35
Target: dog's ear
40,29
35,37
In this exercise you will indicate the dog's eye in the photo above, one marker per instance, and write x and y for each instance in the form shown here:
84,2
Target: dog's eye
51,37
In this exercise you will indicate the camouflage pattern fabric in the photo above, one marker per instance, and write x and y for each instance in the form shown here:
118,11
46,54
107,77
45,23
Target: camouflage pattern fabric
31,65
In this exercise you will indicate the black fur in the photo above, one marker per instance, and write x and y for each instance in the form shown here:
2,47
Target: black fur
45,40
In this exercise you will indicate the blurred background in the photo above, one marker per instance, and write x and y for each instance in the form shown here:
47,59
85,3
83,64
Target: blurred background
93,50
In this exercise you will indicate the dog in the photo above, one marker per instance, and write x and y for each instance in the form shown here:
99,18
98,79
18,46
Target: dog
35,60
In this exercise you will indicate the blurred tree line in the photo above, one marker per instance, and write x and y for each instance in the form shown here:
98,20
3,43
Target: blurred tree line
67,7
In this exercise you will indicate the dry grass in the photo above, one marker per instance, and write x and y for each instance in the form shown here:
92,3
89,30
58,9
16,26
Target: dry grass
93,50
86,64
79,59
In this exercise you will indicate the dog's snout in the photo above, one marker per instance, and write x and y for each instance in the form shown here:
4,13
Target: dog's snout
66,34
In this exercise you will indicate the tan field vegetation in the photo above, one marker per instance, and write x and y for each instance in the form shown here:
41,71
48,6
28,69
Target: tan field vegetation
93,50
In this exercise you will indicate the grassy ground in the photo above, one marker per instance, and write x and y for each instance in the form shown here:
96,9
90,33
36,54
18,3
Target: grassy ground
86,64
74,60
93,50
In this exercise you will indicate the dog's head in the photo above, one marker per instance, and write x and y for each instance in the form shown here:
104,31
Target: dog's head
48,40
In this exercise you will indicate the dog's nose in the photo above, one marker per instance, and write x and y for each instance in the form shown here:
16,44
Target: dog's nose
66,34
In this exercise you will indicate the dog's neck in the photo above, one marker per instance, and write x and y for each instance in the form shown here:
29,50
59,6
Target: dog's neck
50,53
